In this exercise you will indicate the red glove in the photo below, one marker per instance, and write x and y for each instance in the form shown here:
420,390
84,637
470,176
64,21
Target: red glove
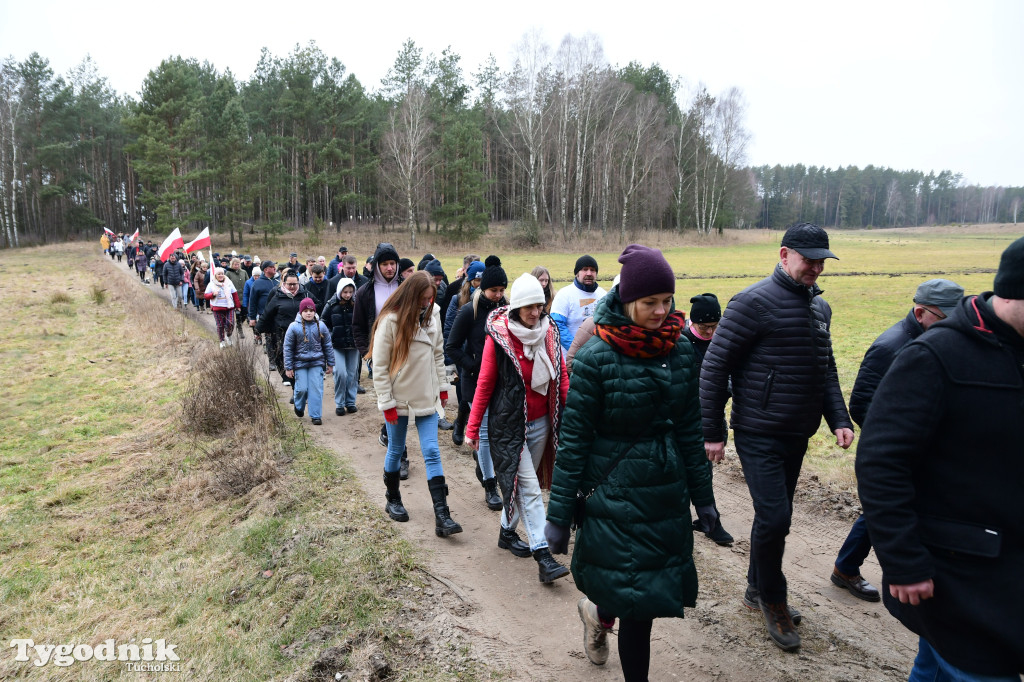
444,395
391,415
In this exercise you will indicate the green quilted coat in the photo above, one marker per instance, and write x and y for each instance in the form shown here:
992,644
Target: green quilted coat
634,554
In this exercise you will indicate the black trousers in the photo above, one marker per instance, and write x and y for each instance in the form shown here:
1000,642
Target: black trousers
771,465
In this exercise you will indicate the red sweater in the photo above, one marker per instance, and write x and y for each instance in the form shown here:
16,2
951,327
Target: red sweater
536,403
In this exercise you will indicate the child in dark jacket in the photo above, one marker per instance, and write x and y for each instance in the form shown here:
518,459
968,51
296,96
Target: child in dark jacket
338,318
307,354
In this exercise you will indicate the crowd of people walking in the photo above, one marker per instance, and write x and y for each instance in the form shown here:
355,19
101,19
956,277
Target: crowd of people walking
615,401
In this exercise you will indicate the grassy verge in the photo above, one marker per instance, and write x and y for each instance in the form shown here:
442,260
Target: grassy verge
115,522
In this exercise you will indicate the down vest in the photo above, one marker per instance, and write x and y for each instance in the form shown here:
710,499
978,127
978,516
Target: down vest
774,342
636,421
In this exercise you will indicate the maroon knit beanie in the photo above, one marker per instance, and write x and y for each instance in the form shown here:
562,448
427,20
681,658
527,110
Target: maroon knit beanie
307,304
644,272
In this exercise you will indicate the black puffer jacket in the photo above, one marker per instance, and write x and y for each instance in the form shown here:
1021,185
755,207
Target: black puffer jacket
319,292
774,342
465,345
280,312
876,363
171,273
338,318
940,475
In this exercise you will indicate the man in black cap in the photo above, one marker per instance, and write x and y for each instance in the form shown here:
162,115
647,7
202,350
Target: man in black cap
940,476
934,300
293,263
334,267
247,265
577,301
774,343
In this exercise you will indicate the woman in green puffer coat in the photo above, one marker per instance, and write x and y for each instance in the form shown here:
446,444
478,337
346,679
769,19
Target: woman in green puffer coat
631,441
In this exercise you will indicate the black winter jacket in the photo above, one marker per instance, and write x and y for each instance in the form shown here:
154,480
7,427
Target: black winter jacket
338,318
941,475
280,312
465,344
171,273
319,293
365,313
876,363
774,342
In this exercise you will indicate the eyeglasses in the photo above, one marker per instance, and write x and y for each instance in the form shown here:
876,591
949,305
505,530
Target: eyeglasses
938,315
706,327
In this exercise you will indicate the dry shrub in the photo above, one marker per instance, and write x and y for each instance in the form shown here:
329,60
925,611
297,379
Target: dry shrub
98,294
226,397
58,297
225,389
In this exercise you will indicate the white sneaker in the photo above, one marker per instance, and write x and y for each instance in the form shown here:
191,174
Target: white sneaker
222,344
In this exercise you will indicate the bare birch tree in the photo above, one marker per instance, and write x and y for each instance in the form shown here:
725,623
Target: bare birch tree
407,153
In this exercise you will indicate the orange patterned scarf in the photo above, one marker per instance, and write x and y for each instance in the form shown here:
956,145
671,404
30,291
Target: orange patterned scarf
636,342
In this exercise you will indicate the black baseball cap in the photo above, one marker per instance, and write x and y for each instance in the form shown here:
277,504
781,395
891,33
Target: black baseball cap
809,240
343,249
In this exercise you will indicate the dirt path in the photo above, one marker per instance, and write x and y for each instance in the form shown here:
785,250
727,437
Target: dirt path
493,601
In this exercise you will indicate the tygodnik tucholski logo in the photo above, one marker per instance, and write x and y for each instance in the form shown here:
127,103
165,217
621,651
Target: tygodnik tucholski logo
146,656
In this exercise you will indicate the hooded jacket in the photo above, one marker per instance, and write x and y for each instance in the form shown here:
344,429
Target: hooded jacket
338,318
465,341
307,344
774,342
365,313
940,476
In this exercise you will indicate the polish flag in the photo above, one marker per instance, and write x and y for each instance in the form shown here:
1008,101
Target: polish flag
110,233
172,242
134,236
200,242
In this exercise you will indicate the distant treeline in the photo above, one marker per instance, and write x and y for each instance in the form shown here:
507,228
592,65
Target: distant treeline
562,142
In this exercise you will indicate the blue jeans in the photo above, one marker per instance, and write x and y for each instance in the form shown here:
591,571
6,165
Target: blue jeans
771,465
346,376
483,449
855,550
930,667
529,502
426,427
309,387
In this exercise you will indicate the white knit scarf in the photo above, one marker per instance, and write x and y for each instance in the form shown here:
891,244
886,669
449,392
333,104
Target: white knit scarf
533,348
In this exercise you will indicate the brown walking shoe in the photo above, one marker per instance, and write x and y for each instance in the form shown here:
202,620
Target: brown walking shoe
780,626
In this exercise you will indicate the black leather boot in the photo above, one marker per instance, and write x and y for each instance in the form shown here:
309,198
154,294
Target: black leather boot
459,433
509,539
491,497
394,506
549,569
444,525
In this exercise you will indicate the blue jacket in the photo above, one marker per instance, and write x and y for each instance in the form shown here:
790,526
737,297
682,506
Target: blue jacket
307,344
246,291
258,295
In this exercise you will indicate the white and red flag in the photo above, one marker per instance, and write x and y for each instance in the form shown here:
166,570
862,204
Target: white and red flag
200,242
172,242
134,236
110,233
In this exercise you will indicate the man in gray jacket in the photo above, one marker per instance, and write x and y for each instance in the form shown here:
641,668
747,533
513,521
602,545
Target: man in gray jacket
774,343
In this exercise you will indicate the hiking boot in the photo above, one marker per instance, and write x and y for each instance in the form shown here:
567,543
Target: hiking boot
352,409
548,570
595,635
340,411
751,601
509,539
383,438
394,506
360,390
491,497
780,626
317,421
459,432
444,525
444,425
858,587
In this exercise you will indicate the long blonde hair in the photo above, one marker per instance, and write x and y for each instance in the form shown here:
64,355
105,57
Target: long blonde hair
405,305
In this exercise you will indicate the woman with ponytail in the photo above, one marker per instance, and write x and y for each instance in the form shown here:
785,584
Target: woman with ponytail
407,350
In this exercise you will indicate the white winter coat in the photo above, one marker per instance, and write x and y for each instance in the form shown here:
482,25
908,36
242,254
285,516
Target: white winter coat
413,389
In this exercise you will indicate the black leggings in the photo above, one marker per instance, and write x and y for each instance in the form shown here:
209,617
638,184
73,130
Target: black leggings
635,649
634,646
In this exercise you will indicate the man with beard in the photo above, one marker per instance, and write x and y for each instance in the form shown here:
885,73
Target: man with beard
576,302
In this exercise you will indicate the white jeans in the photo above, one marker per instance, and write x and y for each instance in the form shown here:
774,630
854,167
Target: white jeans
529,502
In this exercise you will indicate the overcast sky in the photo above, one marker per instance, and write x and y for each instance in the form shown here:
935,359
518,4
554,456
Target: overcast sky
910,85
